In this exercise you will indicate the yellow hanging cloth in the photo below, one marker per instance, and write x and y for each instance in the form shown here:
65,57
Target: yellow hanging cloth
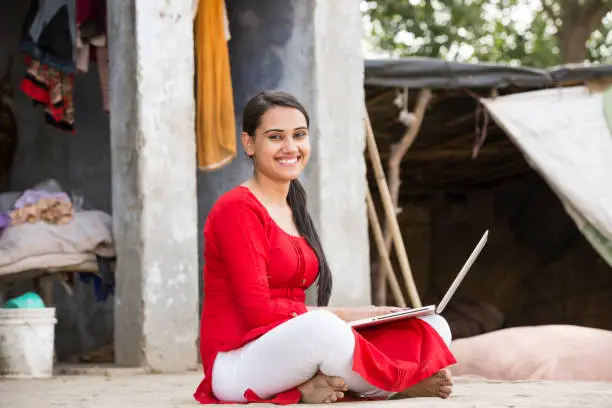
215,120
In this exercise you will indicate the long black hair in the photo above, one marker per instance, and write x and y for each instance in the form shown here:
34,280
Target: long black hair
251,119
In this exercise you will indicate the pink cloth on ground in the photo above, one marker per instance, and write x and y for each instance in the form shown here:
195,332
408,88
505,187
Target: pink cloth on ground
554,352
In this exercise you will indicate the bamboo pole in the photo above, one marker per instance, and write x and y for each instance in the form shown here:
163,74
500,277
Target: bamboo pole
382,251
398,151
390,213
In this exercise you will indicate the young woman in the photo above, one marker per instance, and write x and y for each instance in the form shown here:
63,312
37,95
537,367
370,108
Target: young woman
259,341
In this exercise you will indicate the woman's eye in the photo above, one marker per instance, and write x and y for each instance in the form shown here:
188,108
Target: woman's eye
274,137
299,135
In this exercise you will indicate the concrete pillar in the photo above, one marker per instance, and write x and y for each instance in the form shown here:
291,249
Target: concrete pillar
154,190
337,182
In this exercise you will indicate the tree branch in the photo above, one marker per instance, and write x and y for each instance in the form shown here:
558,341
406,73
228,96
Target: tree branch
569,8
411,133
595,11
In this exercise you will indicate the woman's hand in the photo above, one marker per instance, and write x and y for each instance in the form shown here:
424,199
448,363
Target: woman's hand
349,314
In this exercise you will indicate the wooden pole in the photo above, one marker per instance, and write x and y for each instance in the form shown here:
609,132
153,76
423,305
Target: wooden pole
382,251
400,249
398,152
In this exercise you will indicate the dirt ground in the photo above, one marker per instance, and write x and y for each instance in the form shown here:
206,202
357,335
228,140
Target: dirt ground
133,389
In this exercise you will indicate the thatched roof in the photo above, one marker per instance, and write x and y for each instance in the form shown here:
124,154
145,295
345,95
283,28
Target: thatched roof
441,156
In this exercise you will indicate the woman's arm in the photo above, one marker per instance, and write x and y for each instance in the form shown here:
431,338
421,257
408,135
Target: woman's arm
349,314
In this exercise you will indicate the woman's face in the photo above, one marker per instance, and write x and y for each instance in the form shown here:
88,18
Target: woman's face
280,147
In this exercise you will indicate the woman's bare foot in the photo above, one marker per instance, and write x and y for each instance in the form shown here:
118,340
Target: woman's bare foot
322,389
438,385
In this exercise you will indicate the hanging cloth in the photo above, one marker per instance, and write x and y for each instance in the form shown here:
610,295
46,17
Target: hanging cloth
91,44
49,39
49,34
53,89
47,10
215,120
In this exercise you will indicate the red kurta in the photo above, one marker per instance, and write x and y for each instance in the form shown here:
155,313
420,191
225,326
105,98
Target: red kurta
255,277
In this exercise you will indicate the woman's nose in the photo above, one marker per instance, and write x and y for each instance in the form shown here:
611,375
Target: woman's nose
290,146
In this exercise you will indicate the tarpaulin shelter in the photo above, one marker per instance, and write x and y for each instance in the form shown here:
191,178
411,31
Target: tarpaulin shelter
515,150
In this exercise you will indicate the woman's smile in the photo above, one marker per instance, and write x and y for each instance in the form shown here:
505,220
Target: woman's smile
290,161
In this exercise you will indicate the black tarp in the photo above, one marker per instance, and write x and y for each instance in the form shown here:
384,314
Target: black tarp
438,74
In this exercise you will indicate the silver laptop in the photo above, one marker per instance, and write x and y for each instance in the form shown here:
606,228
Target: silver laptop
431,309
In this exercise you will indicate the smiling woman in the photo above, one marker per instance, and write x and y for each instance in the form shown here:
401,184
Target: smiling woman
276,138
259,341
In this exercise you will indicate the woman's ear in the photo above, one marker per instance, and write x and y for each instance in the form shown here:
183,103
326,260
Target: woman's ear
248,143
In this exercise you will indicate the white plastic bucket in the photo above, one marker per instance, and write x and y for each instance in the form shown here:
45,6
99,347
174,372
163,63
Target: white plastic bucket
27,338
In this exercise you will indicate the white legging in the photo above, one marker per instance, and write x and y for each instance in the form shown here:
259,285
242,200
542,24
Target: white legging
292,353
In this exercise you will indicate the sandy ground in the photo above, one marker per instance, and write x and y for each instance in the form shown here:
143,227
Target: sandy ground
106,389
